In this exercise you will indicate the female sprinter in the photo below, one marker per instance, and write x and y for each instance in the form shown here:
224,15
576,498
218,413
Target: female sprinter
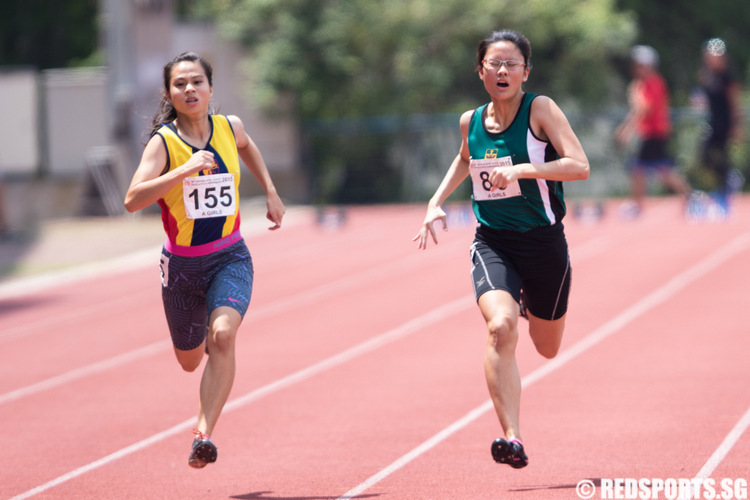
517,149
190,168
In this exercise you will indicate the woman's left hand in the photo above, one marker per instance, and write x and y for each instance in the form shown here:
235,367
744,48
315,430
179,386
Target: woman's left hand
276,210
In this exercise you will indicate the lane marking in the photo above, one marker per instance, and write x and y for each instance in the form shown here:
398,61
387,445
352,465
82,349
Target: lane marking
417,324
587,250
655,298
278,306
17,287
72,314
721,452
86,371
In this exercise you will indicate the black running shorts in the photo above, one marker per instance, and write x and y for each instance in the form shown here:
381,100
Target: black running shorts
536,261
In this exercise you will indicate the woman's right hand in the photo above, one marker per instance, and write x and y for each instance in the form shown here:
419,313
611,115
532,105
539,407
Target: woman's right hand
434,213
201,160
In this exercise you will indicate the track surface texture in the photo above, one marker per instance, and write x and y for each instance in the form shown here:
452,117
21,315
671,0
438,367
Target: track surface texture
360,370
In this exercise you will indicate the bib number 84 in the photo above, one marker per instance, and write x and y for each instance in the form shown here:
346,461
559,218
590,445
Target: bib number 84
480,178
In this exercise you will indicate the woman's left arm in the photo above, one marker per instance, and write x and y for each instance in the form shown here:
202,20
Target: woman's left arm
252,158
548,123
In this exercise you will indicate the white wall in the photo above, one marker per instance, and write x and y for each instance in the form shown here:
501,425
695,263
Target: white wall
75,117
19,134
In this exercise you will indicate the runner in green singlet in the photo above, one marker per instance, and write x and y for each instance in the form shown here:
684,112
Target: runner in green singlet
517,149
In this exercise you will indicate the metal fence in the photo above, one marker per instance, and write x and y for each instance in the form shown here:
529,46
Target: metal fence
403,159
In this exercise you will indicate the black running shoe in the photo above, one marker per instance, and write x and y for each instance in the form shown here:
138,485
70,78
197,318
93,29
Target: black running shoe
509,452
204,451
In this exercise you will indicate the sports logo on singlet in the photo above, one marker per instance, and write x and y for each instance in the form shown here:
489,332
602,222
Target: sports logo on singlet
480,171
214,169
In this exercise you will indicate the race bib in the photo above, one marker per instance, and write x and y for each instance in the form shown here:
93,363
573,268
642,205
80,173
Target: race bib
480,179
164,270
209,196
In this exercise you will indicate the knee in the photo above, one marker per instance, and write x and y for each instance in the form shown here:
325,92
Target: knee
502,333
547,337
548,351
190,360
222,339
189,366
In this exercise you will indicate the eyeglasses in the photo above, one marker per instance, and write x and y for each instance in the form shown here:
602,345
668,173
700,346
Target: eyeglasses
496,64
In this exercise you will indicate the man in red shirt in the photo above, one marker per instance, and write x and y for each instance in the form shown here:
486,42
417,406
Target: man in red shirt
649,117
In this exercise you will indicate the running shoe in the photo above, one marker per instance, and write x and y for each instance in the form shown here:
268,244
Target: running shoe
204,451
509,452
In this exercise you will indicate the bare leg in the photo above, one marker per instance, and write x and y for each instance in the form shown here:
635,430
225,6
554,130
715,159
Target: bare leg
500,312
547,335
677,183
638,185
218,375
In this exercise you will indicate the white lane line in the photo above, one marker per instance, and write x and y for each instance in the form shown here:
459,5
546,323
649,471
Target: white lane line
279,306
72,314
86,371
303,297
17,287
644,305
419,323
586,250
719,455
341,358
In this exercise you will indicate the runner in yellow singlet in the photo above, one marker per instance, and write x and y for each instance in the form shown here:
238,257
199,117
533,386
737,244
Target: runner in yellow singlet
190,167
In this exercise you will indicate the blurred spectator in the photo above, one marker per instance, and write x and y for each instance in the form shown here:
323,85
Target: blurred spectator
648,118
722,91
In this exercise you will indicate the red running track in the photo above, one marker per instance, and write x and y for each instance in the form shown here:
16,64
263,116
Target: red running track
360,371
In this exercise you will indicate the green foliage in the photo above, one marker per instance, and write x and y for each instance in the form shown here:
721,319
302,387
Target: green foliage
335,59
47,33
363,57
678,28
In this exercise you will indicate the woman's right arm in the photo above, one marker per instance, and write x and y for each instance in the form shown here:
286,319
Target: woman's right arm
149,185
456,174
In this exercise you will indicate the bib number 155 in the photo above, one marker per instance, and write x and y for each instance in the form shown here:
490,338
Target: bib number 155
209,196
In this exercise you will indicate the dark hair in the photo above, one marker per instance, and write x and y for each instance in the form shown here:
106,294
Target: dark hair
511,36
166,112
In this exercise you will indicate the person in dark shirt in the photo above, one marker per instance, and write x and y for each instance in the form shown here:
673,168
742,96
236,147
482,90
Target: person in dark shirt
722,92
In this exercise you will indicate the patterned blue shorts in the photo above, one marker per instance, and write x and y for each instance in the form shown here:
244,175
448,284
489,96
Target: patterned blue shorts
192,287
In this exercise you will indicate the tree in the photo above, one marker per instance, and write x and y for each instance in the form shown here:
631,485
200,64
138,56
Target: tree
676,29
363,57
357,71
48,33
